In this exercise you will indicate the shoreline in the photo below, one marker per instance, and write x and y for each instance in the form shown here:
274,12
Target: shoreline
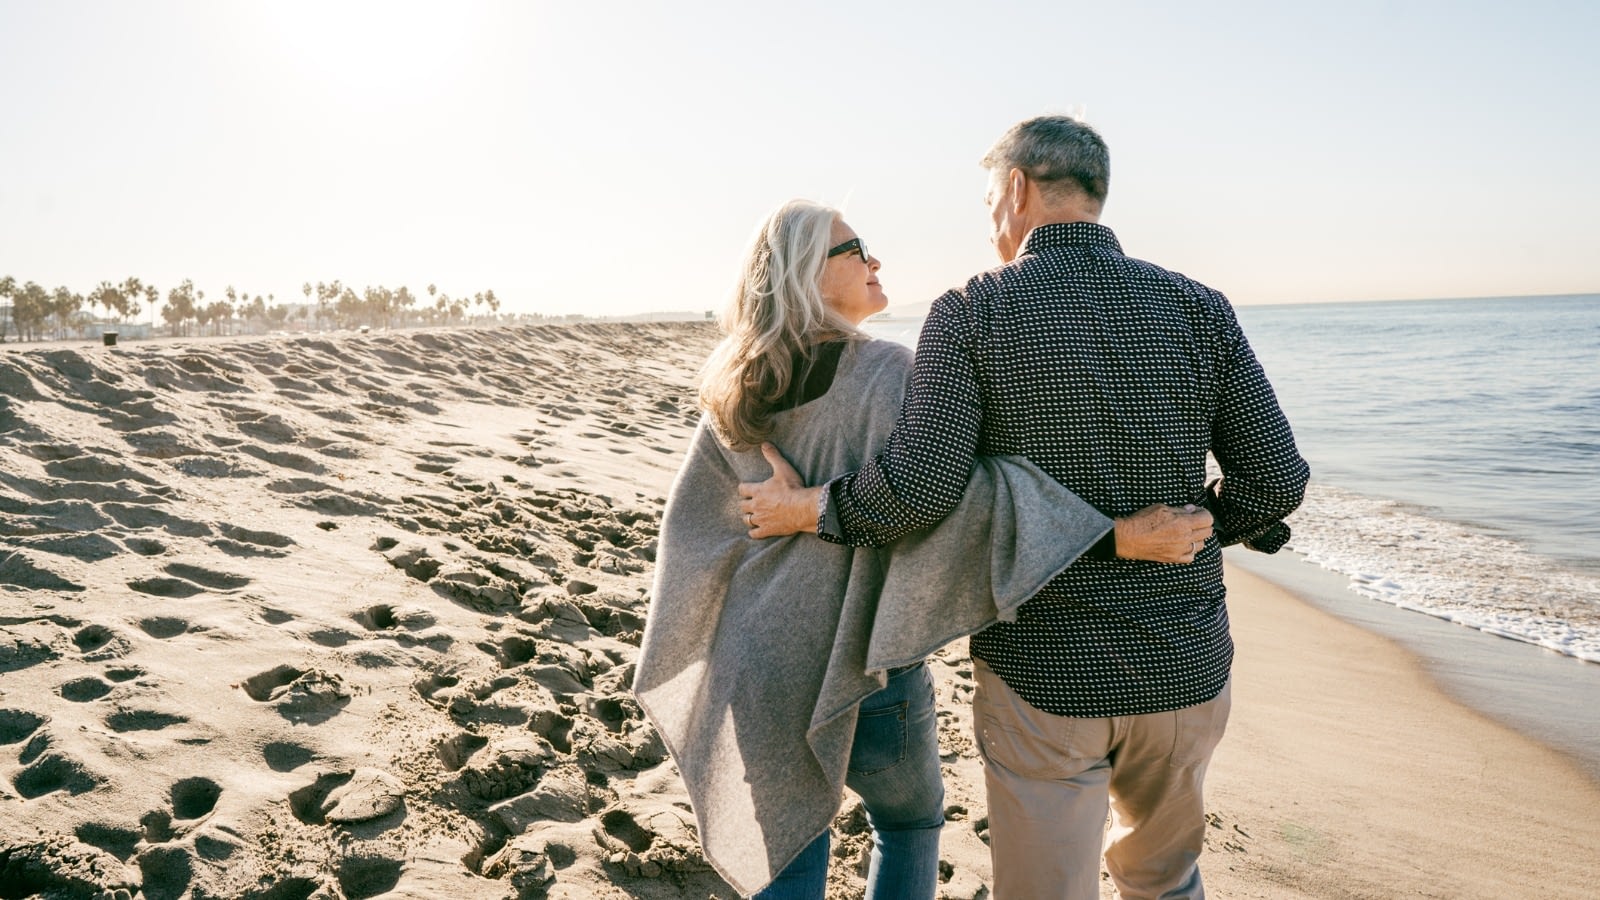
1546,696
1349,772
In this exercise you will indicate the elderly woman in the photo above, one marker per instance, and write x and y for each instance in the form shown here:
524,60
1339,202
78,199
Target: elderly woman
779,672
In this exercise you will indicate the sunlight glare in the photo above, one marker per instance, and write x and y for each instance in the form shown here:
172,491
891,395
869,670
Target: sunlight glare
366,51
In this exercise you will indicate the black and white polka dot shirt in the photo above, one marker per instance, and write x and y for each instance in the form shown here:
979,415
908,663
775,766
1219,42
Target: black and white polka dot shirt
1116,377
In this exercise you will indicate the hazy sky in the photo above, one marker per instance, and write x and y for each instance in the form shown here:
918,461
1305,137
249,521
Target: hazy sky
613,158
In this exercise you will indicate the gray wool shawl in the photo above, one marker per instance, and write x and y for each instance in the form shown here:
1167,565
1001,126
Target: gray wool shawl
757,653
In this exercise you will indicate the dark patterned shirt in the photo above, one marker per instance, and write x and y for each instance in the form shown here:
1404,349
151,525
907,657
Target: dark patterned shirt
1116,377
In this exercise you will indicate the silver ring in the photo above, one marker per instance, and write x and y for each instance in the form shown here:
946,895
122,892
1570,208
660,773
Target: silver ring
1193,548
749,520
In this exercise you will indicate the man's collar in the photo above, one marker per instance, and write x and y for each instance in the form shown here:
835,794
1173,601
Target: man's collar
1064,234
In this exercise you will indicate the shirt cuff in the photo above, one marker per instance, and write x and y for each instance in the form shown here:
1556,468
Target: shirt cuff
1105,548
1270,540
829,528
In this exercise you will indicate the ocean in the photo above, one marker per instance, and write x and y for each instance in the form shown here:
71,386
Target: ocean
1455,454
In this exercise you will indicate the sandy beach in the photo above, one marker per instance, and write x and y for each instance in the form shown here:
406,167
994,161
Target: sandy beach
356,616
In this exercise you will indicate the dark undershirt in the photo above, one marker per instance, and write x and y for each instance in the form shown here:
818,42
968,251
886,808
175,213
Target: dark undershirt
814,375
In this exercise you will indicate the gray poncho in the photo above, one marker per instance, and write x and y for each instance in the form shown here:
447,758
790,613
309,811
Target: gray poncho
757,654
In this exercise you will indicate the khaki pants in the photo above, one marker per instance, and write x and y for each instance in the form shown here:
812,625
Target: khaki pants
1050,779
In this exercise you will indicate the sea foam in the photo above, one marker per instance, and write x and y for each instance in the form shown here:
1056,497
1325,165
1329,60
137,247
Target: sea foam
1401,555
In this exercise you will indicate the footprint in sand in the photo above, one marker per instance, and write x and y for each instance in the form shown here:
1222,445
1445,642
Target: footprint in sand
187,581
554,727
195,798
512,651
653,838
369,794
83,690
162,444
83,547
455,752
336,414
417,563
361,877
144,546
175,588
622,828
16,725
282,756
275,616
330,637
269,685
63,868
167,872
614,712
337,449
614,622
53,772
243,542
97,469
157,825
113,839
435,463
259,538
97,642
125,720
163,627
136,517
299,694
211,578
271,428
434,687
214,467
18,570
384,617
285,459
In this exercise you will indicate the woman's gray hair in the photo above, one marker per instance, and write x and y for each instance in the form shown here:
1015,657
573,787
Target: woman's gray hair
1057,152
776,315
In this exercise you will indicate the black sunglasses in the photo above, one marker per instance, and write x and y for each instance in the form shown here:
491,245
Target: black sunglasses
852,244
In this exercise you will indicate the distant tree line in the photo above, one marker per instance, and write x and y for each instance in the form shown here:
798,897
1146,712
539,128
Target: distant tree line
37,313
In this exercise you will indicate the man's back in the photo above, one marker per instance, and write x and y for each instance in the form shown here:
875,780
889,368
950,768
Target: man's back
1116,377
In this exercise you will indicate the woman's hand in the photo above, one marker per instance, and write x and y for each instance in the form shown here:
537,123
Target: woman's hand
1168,534
781,505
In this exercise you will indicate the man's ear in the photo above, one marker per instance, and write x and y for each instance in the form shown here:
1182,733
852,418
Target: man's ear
1019,189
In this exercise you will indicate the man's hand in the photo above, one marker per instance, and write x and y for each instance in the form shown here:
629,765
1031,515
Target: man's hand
781,505
1168,534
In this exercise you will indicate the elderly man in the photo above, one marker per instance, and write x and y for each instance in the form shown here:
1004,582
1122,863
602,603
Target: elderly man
1117,378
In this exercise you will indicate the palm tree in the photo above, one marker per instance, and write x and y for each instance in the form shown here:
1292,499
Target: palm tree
64,305
404,300
180,308
32,305
105,294
152,296
8,290
130,289
347,310
326,294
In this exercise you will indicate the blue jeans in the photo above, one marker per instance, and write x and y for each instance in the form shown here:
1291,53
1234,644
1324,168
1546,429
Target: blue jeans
894,767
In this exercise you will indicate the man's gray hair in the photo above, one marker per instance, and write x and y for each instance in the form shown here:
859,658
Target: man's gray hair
1060,153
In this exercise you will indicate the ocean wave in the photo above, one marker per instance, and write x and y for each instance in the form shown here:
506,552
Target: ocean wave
1401,555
